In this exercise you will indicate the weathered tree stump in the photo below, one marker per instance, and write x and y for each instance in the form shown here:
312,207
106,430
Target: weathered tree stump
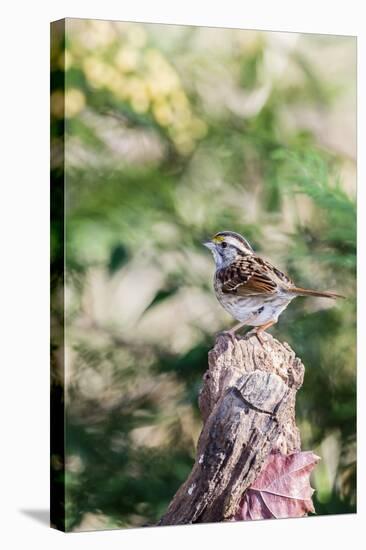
247,404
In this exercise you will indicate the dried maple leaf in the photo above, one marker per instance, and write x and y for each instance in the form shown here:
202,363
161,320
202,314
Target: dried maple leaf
282,490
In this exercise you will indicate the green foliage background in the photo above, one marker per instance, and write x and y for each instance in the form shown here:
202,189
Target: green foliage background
174,133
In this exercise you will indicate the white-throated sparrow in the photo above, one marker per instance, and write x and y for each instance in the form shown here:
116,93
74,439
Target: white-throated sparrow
251,289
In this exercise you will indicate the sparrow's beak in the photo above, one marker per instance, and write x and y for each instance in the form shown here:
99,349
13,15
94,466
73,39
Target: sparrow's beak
208,244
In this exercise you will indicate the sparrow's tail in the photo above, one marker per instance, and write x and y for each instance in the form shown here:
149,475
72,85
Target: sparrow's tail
306,292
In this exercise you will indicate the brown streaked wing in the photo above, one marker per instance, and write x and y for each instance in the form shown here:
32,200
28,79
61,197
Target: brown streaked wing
245,277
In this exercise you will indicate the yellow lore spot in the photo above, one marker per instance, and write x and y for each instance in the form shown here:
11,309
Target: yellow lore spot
218,239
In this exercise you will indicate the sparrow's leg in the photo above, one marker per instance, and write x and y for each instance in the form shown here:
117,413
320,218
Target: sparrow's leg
259,330
231,332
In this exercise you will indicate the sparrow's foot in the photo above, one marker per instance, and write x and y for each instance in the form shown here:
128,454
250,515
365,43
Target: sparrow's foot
259,334
260,331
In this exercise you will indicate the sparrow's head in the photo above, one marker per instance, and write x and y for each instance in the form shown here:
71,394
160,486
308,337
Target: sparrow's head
226,246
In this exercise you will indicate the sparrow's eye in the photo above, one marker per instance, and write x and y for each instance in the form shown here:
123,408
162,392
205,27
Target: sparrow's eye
224,245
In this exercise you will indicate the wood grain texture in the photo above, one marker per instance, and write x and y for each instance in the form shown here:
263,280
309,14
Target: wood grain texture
247,403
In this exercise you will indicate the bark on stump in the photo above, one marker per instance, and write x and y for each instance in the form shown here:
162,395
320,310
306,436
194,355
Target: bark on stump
247,404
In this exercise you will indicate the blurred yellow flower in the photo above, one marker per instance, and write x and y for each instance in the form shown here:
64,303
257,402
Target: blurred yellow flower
95,71
65,60
184,143
144,78
102,33
126,59
68,59
140,103
135,86
100,74
57,104
179,98
154,59
163,113
118,85
74,102
136,36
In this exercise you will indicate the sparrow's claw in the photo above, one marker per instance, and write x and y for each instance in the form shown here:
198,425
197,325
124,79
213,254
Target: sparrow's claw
261,330
259,334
